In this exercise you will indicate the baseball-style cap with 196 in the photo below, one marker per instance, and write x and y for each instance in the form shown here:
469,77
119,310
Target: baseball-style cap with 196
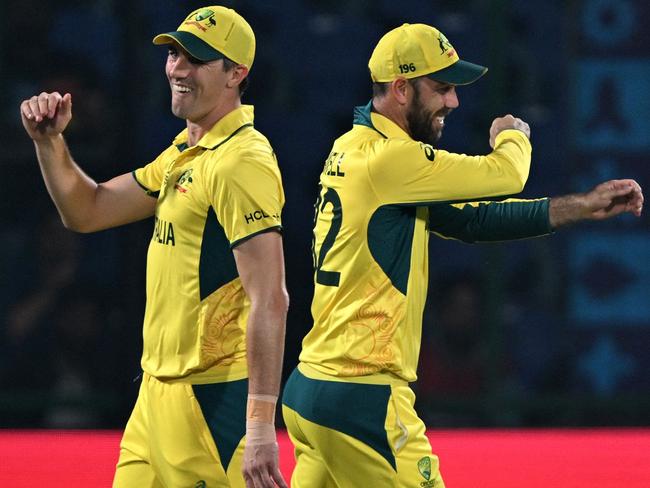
211,33
413,50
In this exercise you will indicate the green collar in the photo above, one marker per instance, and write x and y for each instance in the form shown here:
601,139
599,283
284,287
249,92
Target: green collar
222,131
364,115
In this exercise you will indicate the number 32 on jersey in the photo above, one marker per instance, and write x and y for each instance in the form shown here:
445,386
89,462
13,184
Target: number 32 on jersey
328,202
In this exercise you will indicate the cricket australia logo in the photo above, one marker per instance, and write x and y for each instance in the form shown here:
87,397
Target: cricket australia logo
184,180
424,467
202,19
445,45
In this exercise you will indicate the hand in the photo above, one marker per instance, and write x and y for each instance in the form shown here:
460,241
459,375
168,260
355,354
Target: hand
606,200
46,115
612,198
507,122
261,468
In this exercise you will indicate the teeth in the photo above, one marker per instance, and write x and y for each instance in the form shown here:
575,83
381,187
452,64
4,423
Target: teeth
441,120
181,89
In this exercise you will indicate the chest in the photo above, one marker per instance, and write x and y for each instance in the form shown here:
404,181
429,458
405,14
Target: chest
183,201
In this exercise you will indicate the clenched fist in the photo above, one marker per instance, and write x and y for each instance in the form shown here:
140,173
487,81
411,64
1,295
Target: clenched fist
507,122
46,115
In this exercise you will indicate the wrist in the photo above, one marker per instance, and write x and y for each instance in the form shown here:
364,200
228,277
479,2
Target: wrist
260,419
48,142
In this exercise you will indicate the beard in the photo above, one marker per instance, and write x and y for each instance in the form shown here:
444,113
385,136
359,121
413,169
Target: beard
420,120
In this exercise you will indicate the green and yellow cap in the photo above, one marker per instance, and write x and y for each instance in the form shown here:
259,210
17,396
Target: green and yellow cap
413,50
212,33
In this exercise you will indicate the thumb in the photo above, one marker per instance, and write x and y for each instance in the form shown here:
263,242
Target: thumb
66,104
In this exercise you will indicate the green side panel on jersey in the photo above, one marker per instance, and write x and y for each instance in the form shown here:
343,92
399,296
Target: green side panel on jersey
390,239
224,409
217,264
496,221
331,403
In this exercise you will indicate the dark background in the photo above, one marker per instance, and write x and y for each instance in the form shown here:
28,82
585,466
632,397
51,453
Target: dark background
544,332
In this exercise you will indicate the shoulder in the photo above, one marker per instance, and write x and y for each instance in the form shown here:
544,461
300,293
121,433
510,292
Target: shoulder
405,151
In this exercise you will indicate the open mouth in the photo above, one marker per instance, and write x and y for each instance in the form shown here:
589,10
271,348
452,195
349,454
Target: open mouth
176,88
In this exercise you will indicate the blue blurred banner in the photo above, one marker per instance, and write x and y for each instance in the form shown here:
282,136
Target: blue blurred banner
610,280
611,107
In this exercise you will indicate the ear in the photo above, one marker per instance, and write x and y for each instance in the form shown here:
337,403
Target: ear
399,89
237,74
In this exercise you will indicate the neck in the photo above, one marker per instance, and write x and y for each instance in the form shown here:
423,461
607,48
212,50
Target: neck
391,110
196,129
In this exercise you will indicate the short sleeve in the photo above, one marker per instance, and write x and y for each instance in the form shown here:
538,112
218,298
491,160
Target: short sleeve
408,172
150,177
250,196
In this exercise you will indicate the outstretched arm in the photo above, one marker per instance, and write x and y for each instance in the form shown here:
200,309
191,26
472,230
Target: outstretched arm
518,219
606,200
83,204
260,262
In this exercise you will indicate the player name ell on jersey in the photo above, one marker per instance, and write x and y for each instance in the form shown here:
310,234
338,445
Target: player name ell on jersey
371,237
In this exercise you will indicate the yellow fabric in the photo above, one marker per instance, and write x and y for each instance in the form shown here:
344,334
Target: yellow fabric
364,325
168,443
221,28
409,51
232,172
327,458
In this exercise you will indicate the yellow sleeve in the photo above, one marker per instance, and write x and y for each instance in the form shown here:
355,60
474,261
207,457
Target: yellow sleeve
249,196
405,171
150,177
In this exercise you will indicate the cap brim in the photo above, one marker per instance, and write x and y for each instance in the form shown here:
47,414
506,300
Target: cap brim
459,73
198,48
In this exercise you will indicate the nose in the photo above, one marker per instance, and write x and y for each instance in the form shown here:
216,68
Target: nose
451,98
177,66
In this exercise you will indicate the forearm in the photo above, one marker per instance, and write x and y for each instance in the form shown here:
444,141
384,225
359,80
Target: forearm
567,210
265,341
72,191
490,221
265,344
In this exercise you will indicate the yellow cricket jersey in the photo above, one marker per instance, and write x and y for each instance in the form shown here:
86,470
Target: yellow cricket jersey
371,238
211,196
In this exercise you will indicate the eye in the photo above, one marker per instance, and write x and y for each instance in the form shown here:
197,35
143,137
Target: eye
194,60
172,52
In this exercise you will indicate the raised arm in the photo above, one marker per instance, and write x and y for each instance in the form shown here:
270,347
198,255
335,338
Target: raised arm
519,219
84,205
260,262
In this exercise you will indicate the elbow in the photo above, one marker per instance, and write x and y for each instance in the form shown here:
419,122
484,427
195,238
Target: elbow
519,179
276,302
282,302
521,183
76,225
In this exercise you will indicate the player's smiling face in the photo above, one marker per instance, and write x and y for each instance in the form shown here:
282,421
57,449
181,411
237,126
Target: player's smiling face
432,101
196,86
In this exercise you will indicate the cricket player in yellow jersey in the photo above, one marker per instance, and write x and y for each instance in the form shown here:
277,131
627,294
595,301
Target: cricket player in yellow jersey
348,407
216,298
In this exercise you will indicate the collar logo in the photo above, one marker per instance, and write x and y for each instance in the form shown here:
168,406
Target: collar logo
424,467
202,19
184,180
445,45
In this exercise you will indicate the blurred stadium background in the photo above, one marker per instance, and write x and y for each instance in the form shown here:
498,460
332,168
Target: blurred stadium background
552,332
